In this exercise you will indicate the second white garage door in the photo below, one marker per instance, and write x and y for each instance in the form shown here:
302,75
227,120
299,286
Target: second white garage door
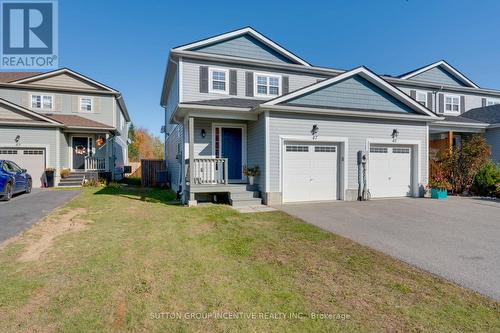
390,171
310,172
31,159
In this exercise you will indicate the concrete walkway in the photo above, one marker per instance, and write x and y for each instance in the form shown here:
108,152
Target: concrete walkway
458,239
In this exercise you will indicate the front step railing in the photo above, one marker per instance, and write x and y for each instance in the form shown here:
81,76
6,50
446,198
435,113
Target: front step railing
95,163
209,171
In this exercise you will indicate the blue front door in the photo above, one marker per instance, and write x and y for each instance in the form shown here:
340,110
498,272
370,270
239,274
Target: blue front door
231,149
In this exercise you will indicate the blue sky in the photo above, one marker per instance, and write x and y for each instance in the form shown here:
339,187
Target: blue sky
125,44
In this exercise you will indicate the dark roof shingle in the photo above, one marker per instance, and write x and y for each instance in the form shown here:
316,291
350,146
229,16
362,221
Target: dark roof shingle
487,114
229,102
6,77
76,121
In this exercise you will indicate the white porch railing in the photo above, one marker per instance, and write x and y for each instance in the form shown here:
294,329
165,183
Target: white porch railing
209,171
95,163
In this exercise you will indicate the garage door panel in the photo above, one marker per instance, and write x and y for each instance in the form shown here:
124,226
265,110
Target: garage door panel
310,172
31,159
390,171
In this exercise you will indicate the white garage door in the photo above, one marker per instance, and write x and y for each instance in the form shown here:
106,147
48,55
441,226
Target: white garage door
31,159
390,171
310,172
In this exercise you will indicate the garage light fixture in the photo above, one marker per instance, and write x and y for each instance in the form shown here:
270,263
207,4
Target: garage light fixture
395,134
314,131
17,139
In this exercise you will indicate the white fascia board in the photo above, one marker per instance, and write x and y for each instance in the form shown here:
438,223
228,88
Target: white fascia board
22,123
445,65
345,113
368,75
240,32
61,71
460,124
496,125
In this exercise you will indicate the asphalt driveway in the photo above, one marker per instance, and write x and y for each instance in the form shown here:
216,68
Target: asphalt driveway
458,239
24,210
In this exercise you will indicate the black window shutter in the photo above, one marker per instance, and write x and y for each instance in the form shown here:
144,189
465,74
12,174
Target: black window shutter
203,79
413,94
462,104
249,84
233,82
285,81
429,101
483,101
441,103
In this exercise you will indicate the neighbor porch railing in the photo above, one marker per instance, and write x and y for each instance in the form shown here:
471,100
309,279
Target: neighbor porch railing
209,171
95,163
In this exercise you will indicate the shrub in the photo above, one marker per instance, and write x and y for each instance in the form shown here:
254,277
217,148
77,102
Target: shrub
460,165
136,181
255,171
65,173
439,182
487,180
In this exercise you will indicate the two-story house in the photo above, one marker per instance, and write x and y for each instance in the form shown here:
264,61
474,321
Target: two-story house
240,99
62,120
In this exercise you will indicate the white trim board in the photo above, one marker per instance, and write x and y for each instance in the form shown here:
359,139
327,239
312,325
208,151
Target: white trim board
243,143
343,142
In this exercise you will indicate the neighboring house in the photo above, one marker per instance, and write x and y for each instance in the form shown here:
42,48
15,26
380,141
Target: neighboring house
241,99
62,119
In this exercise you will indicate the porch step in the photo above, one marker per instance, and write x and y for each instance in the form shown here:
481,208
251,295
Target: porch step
246,202
244,195
63,184
74,179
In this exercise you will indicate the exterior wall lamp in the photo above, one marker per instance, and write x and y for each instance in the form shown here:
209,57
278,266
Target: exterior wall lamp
314,131
17,139
395,134
203,133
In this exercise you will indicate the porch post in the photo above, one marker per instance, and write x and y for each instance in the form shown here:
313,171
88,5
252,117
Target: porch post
192,200
450,140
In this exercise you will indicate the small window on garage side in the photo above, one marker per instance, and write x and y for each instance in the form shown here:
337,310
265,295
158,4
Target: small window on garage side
327,149
378,150
302,149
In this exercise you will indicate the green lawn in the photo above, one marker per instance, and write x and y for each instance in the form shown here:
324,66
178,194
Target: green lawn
132,258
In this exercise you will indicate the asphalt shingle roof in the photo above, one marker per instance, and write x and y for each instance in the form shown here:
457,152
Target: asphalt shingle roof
76,121
487,114
6,77
230,102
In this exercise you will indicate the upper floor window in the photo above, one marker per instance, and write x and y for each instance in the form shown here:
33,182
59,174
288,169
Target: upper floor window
44,102
490,101
422,98
218,80
452,103
267,85
86,104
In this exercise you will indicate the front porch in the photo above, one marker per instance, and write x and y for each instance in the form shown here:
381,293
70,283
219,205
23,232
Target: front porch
214,166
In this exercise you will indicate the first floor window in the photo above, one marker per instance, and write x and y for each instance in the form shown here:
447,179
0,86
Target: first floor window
452,103
268,85
422,98
86,104
492,102
218,80
44,102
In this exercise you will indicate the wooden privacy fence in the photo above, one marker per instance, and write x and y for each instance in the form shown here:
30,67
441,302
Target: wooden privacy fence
151,171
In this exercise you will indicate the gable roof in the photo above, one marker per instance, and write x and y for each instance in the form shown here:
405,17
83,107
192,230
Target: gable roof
30,113
74,121
446,66
366,74
7,77
247,31
61,71
488,114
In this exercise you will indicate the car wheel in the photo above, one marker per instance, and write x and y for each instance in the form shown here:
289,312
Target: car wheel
8,192
29,186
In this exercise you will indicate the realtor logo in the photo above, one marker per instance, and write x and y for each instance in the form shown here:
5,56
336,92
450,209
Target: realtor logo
29,34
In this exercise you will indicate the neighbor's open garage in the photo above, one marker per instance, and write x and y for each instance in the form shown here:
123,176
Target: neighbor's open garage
310,171
31,159
390,171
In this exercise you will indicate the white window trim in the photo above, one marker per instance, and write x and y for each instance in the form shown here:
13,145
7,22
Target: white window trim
210,80
255,84
459,102
494,100
41,102
92,109
425,97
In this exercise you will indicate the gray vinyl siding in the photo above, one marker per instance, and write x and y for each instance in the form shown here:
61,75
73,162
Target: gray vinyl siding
65,80
356,130
191,78
203,146
438,75
245,47
173,100
256,152
32,137
174,165
65,103
64,162
493,139
352,93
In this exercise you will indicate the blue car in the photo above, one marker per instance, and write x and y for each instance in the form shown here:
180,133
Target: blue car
13,179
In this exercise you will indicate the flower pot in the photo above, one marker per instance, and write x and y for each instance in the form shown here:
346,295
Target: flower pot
439,193
251,179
